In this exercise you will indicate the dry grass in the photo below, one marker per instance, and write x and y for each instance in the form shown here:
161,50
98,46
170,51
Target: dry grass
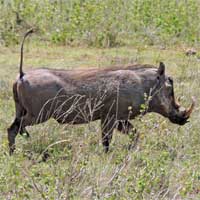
165,164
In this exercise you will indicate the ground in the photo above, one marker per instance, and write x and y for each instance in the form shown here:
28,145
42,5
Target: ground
165,164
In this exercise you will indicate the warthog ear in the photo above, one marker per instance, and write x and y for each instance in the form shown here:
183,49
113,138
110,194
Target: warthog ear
161,69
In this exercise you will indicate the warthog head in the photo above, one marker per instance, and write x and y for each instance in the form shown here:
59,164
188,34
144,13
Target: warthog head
163,100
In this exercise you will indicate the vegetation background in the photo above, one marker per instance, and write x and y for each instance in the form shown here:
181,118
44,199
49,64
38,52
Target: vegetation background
83,33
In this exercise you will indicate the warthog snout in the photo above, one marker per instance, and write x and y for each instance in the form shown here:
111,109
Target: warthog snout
182,115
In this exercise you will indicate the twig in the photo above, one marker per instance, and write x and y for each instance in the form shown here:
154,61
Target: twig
51,145
118,170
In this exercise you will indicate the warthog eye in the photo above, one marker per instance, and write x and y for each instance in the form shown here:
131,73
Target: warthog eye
170,80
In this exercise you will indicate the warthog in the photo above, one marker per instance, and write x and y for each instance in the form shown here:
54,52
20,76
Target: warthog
113,95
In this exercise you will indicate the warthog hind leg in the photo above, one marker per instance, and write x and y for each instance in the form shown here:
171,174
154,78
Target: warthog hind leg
12,133
23,130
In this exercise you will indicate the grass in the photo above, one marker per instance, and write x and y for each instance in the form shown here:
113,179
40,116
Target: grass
165,164
100,24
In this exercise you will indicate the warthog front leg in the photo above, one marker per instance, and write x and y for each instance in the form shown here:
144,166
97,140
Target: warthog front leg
107,126
124,126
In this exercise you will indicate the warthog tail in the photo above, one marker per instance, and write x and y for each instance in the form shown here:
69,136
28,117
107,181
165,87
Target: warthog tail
21,73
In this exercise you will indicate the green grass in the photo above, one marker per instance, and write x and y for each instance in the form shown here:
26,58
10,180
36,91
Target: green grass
100,24
165,164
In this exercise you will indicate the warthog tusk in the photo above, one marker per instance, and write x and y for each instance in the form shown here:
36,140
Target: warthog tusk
177,103
190,109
